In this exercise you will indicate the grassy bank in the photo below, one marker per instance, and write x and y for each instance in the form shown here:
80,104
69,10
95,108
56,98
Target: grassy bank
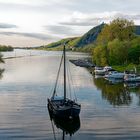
130,67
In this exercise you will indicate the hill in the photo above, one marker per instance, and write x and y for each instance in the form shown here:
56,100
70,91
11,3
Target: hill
81,42
90,36
58,45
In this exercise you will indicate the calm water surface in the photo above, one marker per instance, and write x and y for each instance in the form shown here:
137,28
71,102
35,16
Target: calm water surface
109,111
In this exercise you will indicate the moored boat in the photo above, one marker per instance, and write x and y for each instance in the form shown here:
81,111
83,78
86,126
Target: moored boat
108,68
99,71
131,78
82,63
62,107
115,75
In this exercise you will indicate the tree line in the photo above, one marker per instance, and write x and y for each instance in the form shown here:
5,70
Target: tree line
4,48
117,44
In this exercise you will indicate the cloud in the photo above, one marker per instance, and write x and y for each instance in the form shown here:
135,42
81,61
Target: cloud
79,22
63,18
128,16
25,2
6,25
32,35
82,19
60,30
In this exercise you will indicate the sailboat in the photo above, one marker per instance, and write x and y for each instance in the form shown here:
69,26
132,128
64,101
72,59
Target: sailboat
63,107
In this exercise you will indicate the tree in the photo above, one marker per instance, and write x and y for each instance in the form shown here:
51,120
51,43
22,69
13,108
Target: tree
114,41
118,52
100,55
119,28
134,54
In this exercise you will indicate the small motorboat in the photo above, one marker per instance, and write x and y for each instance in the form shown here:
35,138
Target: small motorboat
131,78
99,71
115,75
108,68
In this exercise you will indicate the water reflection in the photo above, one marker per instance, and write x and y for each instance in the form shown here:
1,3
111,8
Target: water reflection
132,85
1,73
116,94
27,82
68,126
114,81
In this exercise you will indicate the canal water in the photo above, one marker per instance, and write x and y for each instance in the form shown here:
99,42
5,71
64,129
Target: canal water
109,111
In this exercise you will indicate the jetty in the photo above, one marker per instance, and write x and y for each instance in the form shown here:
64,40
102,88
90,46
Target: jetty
83,63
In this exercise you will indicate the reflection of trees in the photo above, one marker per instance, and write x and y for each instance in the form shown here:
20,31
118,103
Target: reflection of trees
134,88
1,73
116,94
137,92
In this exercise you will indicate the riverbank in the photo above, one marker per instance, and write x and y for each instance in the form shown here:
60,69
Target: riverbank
14,54
129,67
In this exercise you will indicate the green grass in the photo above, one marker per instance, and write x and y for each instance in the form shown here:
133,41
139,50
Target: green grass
130,67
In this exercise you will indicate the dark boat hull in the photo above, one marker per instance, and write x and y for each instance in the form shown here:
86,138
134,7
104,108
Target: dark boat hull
68,112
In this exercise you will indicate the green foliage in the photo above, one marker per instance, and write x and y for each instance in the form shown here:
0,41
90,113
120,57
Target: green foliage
129,67
135,41
100,55
4,48
121,44
120,29
134,54
88,48
118,52
57,46
74,42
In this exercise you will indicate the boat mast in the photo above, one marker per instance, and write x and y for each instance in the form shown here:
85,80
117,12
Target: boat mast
64,73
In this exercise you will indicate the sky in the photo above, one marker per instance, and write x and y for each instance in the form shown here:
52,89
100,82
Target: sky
30,23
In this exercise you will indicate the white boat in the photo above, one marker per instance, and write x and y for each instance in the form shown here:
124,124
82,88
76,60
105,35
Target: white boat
131,78
99,71
107,68
115,75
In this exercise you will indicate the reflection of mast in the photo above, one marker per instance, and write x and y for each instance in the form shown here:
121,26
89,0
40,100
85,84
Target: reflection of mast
53,130
1,73
68,126
15,53
63,135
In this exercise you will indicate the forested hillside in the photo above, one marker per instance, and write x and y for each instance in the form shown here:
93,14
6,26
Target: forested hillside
117,44
83,43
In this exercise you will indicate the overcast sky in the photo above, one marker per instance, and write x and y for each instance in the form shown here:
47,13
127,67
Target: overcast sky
25,23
